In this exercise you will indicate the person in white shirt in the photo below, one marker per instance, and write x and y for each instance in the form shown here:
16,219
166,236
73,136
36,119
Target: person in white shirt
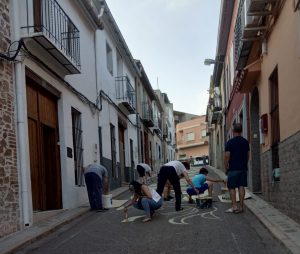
144,198
144,171
173,171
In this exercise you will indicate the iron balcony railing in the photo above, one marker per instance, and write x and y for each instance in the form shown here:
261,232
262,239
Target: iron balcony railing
125,93
50,20
238,37
166,131
157,125
147,114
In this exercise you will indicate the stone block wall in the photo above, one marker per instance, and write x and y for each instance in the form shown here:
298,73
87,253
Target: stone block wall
285,194
9,181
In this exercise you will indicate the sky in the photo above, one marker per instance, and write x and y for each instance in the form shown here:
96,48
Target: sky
172,38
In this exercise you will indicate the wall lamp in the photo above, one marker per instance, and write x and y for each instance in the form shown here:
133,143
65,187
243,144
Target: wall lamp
209,61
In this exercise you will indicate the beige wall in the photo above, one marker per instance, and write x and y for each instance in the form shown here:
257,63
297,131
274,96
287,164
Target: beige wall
196,147
283,50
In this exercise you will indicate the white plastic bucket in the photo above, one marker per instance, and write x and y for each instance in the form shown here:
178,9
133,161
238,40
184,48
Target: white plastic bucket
107,200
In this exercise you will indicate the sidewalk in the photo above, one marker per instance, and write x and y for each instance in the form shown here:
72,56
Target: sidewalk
286,230
45,225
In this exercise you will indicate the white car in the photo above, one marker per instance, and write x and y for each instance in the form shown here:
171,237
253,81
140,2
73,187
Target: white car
198,161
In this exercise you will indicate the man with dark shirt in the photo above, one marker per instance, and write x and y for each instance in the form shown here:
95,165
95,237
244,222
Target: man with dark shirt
236,167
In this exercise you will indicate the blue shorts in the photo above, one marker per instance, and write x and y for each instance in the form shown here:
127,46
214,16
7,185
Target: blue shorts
201,189
237,178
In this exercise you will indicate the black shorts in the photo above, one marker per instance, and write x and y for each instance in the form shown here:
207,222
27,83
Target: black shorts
236,178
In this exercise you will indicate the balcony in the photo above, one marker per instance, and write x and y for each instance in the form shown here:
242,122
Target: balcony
251,25
147,115
49,31
125,94
157,125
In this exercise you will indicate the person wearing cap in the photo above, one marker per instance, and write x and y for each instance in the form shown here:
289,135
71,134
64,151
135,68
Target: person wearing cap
96,180
144,171
144,198
202,183
173,171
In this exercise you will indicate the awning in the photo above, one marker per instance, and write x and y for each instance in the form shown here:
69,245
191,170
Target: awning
248,77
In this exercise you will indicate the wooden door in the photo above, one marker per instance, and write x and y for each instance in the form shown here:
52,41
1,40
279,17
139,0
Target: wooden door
146,148
43,148
122,152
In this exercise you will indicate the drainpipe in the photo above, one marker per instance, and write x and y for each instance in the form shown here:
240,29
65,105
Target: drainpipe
21,128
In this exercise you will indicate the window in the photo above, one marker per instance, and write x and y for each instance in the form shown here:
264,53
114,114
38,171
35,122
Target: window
113,150
109,59
100,143
131,154
275,126
203,133
190,136
77,147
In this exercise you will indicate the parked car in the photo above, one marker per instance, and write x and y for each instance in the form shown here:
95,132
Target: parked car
198,161
201,160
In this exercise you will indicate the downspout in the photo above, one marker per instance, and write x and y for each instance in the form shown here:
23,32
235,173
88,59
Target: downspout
97,68
26,202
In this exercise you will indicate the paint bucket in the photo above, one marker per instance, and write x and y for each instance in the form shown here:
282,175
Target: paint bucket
107,201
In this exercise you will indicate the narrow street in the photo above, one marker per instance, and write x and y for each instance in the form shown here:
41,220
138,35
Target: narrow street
192,230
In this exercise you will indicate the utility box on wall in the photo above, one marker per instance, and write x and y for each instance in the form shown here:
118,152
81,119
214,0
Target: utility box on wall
264,123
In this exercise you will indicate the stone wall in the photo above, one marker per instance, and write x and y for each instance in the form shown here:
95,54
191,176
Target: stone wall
9,182
285,194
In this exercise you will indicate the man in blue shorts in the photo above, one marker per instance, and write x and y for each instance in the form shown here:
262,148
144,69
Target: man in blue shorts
236,167
202,183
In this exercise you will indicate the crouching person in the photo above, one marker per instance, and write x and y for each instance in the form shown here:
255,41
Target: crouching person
202,183
144,198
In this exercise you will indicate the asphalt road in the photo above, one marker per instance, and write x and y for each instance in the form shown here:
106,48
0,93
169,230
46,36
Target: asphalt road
192,230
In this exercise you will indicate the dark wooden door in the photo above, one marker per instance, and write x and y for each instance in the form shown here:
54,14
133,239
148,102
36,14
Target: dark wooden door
146,148
122,152
43,148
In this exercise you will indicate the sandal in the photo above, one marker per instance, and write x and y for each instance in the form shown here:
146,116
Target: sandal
231,210
238,211
146,219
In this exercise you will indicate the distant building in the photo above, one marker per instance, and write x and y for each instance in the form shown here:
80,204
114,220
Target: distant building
191,139
180,117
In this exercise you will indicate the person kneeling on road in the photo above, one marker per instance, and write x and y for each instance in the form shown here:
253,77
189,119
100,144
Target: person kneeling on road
202,183
144,198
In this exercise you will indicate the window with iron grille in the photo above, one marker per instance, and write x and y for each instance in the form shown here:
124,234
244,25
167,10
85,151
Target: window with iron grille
77,147
274,113
113,150
109,59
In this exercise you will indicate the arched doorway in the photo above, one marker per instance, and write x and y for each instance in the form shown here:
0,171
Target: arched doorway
255,142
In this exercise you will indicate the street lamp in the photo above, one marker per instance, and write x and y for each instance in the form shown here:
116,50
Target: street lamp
209,61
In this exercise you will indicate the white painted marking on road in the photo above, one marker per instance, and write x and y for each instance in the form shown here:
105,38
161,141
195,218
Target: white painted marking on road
131,219
210,213
183,216
236,243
